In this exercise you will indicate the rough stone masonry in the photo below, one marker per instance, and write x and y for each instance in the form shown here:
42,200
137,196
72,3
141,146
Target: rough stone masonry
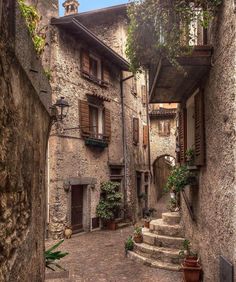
24,128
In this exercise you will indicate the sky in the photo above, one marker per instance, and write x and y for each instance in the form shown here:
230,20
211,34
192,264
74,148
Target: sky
86,5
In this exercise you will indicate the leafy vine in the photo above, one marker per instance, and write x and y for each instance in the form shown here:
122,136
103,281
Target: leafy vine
165,28
33,19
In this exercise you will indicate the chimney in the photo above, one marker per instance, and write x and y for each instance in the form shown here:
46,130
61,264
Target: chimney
71,7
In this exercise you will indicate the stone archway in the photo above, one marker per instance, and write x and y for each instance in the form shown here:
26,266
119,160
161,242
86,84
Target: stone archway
161,170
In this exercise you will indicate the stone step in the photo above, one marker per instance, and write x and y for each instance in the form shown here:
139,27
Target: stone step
171,218
159,227
157,253
152,262
162,240
123,224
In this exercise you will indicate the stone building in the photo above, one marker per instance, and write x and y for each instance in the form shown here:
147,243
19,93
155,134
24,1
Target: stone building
24,130
206,123
105,135
162,147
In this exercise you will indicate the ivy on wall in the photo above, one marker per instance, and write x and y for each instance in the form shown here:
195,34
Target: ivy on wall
33,19
161,28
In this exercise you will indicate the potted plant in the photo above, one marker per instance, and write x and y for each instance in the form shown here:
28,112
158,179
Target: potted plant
176,182
138,235
177,179
110,201
143,196
190,267
129,244
148,214
190,156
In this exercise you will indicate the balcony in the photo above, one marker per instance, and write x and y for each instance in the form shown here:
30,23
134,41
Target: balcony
97,140
170,85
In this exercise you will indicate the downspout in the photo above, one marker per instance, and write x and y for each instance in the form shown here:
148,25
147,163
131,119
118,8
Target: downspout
122,80
148,124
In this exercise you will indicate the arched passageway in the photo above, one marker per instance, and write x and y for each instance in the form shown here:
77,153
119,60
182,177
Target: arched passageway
161,170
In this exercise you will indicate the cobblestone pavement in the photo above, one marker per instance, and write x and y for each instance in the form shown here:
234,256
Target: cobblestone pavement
99,257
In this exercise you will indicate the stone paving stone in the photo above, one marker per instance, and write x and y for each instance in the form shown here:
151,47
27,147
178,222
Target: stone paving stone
99,257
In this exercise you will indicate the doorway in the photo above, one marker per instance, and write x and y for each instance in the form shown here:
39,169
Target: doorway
162,168
77,192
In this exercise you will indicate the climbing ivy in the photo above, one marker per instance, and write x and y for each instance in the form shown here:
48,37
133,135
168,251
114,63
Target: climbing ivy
161,28
32,19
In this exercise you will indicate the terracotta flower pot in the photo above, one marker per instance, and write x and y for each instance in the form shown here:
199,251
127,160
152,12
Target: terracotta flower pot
111,225
138,239
147,224
191,262
191,274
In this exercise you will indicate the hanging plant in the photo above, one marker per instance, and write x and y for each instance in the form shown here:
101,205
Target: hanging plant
162,28
32,19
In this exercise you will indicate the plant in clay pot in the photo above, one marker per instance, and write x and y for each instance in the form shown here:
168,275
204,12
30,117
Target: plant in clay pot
190,267
129,244
138,235
190,156
148,214
110,201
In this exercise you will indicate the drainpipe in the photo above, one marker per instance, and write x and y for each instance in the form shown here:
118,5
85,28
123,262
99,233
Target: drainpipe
122,80
148,124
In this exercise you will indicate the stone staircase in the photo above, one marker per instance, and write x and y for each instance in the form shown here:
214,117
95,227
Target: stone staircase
161,243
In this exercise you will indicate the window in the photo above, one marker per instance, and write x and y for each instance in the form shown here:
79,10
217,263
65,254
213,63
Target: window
191,128
134,86
144,94
145,135
164,128
94,121
135,131
94,69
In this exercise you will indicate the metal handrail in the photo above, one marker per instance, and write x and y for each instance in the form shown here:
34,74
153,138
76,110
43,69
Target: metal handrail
190,209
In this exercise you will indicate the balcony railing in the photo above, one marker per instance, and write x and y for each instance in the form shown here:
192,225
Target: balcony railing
97,140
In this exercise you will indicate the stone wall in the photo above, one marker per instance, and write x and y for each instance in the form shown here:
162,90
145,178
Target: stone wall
213,234
162,145
24,123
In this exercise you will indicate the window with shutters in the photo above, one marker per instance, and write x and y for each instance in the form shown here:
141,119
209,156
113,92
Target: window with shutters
94,121
94,69
144,94
191,128
134,86
164,127
135,131
145,135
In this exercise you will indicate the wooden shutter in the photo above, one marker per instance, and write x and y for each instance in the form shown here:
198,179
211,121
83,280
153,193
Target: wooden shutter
144,94
107,123
145,135
84,117
135,130
105,75
85,61
199,129
182,134
134,86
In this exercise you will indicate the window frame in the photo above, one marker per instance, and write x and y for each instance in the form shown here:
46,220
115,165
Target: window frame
100,133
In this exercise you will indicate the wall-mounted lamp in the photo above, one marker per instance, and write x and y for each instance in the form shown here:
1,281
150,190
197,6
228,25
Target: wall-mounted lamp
60,109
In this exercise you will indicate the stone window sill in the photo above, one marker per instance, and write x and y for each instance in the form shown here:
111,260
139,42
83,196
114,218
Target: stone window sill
95,80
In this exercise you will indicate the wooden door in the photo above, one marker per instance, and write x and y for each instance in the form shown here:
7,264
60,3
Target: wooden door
77,208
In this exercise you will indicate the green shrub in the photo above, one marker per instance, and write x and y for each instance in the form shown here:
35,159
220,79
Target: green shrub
110,200
178,179
129,244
